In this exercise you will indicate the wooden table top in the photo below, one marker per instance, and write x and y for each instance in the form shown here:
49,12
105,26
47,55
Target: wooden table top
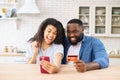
67,72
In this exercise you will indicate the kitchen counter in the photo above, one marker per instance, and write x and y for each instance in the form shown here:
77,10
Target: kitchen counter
21,54
12,54
114,55
67,72
12,58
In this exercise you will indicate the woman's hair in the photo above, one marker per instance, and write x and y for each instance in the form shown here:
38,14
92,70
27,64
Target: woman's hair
60,38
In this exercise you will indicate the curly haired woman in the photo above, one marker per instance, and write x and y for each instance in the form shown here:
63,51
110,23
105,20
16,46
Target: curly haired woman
48,41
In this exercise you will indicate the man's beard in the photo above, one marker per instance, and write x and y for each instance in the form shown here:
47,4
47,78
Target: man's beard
77,40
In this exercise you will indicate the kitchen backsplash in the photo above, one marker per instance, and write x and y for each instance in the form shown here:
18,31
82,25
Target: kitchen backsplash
17,32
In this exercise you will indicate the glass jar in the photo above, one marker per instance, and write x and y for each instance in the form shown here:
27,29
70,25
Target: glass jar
6,49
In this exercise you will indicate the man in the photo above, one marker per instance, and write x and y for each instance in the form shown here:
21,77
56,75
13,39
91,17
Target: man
91,51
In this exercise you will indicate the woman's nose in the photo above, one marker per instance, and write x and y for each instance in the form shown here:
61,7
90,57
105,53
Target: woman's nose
51,34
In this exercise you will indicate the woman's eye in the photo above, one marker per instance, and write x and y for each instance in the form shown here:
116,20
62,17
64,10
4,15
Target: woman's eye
55,33
48,31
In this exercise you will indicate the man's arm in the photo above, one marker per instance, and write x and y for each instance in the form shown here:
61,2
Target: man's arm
81,66
92,66
100,54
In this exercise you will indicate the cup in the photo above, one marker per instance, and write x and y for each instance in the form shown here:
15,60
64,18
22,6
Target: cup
71,59
44,58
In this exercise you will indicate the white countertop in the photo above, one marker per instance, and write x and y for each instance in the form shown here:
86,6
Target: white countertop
12,54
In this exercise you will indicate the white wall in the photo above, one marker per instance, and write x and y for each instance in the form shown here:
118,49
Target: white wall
62,10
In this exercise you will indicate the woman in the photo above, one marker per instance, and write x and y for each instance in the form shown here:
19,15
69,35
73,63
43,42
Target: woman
48,41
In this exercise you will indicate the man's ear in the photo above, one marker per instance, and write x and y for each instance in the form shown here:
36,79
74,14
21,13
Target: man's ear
82,29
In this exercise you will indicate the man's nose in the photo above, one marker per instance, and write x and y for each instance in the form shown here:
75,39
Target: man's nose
71,34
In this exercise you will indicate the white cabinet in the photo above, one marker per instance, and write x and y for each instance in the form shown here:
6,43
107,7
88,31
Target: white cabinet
115,19
84,15
114,61
100,18
12,58
114,58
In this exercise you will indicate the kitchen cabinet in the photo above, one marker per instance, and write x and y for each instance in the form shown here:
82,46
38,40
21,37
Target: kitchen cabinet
100,22
114,57
12,58
100,18
84,15
115,19
114,61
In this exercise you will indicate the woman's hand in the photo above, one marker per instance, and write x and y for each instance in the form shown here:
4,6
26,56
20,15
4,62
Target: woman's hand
35,46
49,67
80,66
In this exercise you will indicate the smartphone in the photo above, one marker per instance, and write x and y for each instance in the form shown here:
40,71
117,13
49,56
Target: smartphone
44,58
72,58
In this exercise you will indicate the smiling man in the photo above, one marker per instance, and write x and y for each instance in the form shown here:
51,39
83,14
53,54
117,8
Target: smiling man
91,51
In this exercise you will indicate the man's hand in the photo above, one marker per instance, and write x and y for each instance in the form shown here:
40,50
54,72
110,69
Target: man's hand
80,66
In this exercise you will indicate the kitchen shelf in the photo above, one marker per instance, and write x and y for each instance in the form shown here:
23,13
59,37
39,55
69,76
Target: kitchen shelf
100,25
85,25
83,14
114,15
12,18
2,3
114,56
100,14
116,26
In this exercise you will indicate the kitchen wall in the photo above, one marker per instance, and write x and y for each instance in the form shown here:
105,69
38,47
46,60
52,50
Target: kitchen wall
16,33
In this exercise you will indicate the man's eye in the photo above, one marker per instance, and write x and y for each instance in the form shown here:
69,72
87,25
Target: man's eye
68,31
75,31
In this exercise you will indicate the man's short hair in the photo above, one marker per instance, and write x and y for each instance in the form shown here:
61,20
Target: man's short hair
78,21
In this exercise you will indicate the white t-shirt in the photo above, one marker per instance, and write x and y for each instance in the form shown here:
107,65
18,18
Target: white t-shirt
51,52
74,49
